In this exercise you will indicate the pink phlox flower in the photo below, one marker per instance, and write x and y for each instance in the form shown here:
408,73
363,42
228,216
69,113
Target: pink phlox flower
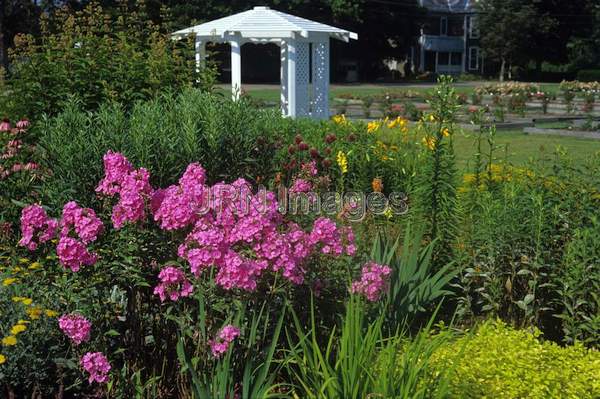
373,282
97,366
36,227
173,284
76,327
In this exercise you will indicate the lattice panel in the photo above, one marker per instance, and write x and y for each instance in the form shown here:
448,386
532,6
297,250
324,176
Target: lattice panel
320,71
302,78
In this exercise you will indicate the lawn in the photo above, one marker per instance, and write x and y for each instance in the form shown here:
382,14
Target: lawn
519,148
270,93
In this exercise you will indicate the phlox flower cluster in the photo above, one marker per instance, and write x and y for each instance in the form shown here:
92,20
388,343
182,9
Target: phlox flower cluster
86,226
373,281
220,344
97,366
132,186
76,327
173,284
36,227
178,205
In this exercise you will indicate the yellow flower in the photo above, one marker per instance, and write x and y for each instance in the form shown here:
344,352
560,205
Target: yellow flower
445,132
373,126
2,359
340,119
23,322
23,260
51,313
34,313
27,301
18,328
342,161
11,340
429,142
8,281
388,213
432,118
17,298
35,265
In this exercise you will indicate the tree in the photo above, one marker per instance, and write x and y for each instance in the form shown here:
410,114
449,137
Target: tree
507,30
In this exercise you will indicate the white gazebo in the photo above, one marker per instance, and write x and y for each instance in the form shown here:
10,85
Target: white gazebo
300,41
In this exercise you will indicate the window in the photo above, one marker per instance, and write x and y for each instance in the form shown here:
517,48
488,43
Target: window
456,59
474,58
443,58
444,26
473,28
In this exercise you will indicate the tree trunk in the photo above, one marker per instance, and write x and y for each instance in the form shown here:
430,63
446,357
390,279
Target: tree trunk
509,70
502,69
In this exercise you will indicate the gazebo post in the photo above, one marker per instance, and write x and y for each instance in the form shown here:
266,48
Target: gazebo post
200,48
291,78
284,78
236,69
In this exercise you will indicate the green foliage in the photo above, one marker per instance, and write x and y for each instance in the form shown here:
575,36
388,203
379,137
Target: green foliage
230,139
254,368
588,75
413,284
501,362
578,286
436,180
96,56
358,361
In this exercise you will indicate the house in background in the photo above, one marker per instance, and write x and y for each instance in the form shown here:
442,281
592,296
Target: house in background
449,40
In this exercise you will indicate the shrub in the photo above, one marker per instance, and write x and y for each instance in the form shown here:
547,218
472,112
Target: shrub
97,56
231,138
588,75
501,362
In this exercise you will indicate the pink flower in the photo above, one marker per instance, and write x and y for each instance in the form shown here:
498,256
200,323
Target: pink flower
5,125
23,124
36,227
374,280
300,186
97,366
73,254
116,167
76,327
83,220
220,344
173,284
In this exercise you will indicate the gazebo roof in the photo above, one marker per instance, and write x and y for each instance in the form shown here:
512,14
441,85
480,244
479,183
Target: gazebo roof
263,23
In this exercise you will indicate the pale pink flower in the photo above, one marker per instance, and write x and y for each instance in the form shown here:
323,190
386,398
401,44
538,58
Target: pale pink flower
97,366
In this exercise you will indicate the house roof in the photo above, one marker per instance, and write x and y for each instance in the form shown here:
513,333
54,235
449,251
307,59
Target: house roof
449,6
264,23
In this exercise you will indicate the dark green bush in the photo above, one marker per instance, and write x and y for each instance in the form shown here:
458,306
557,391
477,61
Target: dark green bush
588,75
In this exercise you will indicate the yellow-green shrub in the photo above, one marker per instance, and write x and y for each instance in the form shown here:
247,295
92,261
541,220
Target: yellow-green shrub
497,361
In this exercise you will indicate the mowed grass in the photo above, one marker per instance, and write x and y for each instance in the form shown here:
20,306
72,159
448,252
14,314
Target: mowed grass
519,149
271,94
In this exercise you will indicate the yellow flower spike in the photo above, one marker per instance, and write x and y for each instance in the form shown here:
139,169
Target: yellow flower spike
17,329
51,313
446,132
342,162
35,265
388,213
2,359
9,281
11,340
